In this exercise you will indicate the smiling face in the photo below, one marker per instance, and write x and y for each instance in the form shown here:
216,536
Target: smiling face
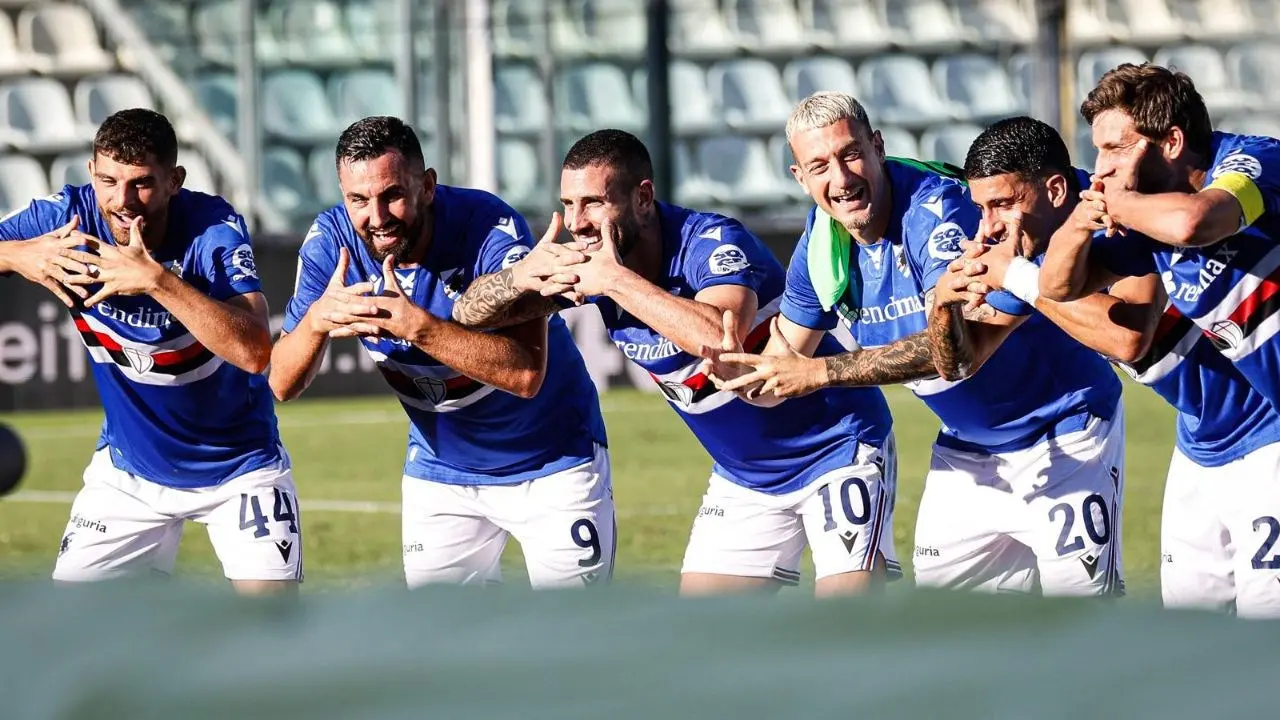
592,194
127,192
388,200
841,167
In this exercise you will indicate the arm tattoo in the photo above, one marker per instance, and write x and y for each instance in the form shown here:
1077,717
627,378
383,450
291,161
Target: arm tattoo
493,301
949,342
900,361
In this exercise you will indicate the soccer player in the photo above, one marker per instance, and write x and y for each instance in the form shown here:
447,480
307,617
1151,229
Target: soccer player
505,434
162,286
1026,477
670,282
1198,207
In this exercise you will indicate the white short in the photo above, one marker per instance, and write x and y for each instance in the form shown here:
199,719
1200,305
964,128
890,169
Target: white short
1220,535
564,522
845,516
1048,514
122,525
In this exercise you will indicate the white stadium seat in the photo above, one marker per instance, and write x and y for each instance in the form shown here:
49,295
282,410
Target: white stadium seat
898,89
740,170
518,29
1209,72
999,21
948,143
21,180
12,60
898,141
356,94
294,106
804,76
61,38
36,115
519,174
1255,69
783,160
767,25
1096,63
692,108
749,94
977,84
520,105
98,97
929,25
371,24
856,24
598,27
322,166
70,169
698,28
199,176
597,95
218,95
284,180
313,32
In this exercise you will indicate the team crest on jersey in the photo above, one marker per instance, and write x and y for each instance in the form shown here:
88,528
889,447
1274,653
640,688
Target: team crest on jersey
242,261
1225,335
1239,162
433,389
727,259
677,392
140,361
944,241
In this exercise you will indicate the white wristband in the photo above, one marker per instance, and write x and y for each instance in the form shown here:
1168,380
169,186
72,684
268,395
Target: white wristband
1022,280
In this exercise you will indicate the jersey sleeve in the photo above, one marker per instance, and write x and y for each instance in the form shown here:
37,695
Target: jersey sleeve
317,259
227,256
507,238
40,216
735,258
932,230
800,302
1251,174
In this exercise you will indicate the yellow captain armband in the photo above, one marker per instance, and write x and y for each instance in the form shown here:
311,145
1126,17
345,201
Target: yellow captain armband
1244,191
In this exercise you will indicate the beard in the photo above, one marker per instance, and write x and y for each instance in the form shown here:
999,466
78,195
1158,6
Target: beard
409,235
150,223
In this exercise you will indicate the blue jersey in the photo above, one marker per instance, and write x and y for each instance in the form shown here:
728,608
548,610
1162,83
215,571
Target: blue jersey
461,431
1039,383
773,450
175,413
1221,417
1230,289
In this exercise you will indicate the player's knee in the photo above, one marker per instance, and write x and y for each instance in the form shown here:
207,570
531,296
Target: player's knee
696,584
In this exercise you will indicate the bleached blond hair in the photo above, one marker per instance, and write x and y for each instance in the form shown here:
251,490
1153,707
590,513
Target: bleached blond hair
825,108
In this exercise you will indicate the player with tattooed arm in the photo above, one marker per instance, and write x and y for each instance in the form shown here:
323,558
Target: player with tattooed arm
874,252
505,433
670,283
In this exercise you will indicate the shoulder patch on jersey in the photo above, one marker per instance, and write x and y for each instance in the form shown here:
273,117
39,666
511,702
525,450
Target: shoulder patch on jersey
1239,162
944,241
508,226
242,261
514,255
713,233
727,259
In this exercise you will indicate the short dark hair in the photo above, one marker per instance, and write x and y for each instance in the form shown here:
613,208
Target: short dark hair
619,150
375,136
132,136
1157,99
1021,145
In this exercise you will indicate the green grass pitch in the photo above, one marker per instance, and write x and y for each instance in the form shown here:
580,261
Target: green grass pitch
349,454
